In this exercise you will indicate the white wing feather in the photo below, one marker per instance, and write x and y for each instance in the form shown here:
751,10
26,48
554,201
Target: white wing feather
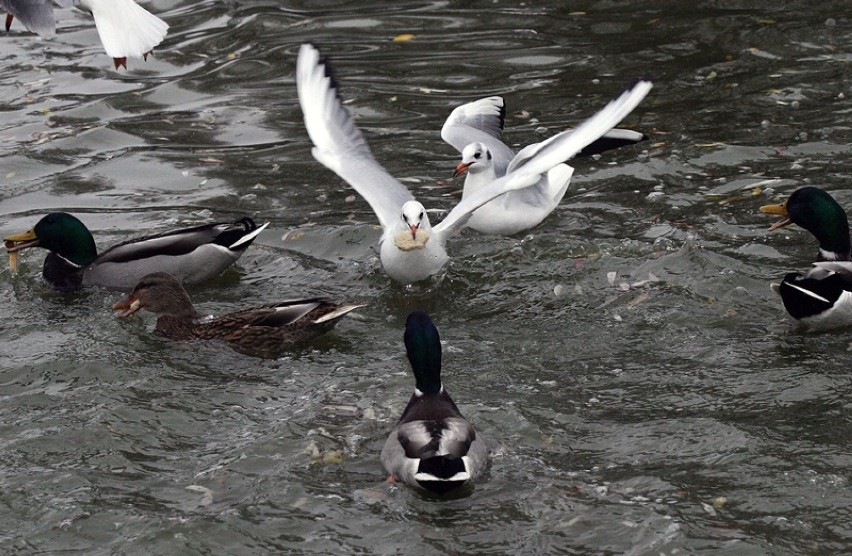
339,145
535,160
126,29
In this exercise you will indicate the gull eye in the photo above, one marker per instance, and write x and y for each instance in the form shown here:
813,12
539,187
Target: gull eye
489,155
421,215
477,155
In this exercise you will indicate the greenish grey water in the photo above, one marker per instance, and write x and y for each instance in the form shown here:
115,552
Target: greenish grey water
668,410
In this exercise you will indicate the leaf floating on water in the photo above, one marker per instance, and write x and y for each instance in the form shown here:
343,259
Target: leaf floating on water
403,37
292,236
312,450
641,298
763,54
334,457
719,502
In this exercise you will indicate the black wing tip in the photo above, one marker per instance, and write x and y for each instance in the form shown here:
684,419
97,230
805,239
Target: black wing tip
647,78
324,62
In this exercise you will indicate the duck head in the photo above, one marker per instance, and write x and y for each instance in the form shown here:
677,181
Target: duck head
423,348
817,212
159,293
60,233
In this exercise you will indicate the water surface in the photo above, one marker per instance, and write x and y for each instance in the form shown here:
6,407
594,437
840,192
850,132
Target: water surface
636,379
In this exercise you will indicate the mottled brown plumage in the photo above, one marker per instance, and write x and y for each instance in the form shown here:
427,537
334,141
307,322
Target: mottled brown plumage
263,330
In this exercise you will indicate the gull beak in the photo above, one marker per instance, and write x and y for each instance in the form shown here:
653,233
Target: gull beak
461,169
414,229
780,210
127,307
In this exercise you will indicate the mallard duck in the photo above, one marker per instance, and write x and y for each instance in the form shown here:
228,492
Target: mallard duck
820,299
262,329
192,254
432,446
125,28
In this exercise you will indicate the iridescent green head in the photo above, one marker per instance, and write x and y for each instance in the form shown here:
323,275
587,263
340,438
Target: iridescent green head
423,347
60,233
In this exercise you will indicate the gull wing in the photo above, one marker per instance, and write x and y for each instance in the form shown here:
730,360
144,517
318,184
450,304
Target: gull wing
35,15
125,27
564,146
539,158
480,121
339,145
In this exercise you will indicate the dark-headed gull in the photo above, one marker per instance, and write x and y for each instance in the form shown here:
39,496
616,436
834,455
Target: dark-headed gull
411,249
475,130
126,29
433,446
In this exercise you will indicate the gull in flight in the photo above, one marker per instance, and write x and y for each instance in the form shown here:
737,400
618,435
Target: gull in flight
126,29
475,130
411,248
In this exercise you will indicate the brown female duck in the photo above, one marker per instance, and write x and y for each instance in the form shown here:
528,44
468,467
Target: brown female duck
262,329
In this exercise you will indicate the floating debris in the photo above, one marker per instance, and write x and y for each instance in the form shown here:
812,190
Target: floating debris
207,499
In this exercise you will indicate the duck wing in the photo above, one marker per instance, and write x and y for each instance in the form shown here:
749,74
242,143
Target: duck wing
191,255
825,289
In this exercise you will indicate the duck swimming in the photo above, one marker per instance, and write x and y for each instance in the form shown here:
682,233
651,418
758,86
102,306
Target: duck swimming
193,255
262,329
821,298
433,446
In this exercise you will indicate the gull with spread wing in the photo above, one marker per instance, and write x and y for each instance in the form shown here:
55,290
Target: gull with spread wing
411,249
475,130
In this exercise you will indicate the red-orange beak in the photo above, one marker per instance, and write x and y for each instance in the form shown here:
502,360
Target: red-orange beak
414,229
461,169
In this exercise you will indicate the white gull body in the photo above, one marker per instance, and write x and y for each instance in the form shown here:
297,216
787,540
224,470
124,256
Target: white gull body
411,249
475,130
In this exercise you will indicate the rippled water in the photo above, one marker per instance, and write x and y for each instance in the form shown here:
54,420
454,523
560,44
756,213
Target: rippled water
667,408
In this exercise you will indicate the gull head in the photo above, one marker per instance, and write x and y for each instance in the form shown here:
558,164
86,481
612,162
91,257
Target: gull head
414,230
475,158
